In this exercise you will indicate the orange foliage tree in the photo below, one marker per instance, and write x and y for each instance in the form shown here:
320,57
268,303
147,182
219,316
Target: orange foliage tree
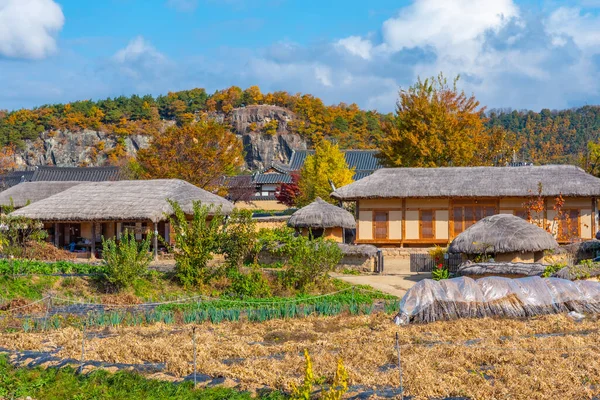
199,153
436,125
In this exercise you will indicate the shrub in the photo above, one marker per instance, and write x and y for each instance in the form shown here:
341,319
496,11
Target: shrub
240,239
437,253
17,233
195,241
552,269
251,284
311,261
126,259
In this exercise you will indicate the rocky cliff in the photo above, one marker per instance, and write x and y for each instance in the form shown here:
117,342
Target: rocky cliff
264,130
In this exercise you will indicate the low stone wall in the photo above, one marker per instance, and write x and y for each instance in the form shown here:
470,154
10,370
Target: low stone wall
271,222
403,253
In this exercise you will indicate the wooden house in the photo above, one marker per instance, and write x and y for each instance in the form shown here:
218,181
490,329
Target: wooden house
87,212
421,207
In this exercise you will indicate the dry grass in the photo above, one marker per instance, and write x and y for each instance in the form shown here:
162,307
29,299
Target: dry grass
436,360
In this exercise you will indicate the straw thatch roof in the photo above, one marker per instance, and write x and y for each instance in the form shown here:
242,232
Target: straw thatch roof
526,269
30,192
121,201
502,233
567,180
319,215
358,250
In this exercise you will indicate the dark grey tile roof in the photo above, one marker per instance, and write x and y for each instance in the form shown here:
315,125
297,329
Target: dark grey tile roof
13,178
91,174
261,179
360,160
361,174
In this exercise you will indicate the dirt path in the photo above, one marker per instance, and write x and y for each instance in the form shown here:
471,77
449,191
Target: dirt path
396,285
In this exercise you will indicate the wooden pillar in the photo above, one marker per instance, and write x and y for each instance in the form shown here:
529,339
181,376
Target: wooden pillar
93,248
56,235
155,239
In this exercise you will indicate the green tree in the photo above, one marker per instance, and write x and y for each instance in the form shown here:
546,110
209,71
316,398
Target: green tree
240,239
435,125
327,164
126,259
196,241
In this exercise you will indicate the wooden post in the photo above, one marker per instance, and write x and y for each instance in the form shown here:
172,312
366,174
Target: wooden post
93,248
155,239
56,235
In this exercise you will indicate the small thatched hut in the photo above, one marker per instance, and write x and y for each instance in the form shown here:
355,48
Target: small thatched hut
506,237
30,192
86,212
322,219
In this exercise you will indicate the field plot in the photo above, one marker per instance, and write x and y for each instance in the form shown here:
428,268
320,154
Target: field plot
537,358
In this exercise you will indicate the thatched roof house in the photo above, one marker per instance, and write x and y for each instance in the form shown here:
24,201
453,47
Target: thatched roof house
478,182
503,234
30,192
420,207
323,219
121,201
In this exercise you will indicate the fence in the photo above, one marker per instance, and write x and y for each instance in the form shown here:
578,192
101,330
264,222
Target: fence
426,263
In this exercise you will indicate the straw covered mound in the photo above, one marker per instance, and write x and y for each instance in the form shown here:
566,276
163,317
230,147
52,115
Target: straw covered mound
502,233
31,192
321,215
122,201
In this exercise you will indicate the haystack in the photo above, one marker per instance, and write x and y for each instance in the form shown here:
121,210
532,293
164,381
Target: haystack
507,237
323,219
30,192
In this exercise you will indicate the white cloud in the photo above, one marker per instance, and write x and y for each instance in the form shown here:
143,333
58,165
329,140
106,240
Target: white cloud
582,28
28,28
183,5
357,46
138,49
323,75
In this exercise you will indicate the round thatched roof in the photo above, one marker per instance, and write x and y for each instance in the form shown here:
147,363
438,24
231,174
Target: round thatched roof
503,233
319,215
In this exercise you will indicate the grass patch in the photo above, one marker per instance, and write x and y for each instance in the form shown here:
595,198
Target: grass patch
25,287
64,383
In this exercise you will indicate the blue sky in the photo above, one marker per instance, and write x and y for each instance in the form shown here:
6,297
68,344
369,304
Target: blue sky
511,54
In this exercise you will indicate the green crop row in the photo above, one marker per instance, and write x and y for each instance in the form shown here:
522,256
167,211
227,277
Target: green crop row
207,313
31,267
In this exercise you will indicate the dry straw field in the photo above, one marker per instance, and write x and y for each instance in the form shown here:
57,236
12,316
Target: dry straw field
539,358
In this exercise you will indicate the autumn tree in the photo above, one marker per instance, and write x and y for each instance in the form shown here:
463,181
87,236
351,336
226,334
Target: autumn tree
435,125
288,193
328,164
199,153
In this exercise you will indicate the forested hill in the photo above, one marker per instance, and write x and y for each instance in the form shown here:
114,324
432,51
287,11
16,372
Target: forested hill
552,136
544,137
348,124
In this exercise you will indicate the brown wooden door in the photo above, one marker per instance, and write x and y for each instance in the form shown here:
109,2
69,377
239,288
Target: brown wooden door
381,225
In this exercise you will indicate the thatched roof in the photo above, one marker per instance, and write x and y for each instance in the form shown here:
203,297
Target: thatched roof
319,215
358,250
30,192
567,180
121,201
502,233
527,269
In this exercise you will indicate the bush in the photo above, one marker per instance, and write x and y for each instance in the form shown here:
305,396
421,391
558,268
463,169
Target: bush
552,269
251,284
440,272
126,259
17,233
311,261
195,242
240,239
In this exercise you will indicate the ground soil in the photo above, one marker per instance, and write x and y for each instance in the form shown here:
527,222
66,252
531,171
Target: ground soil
539,358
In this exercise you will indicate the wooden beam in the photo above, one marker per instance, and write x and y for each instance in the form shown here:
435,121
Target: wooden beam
93,248
56,235
155,239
